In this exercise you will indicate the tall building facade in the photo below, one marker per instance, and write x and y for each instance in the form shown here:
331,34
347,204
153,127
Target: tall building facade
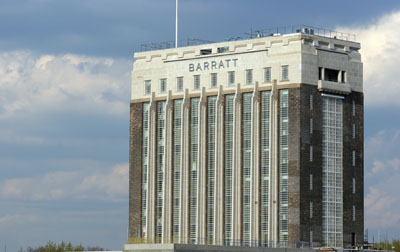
254,142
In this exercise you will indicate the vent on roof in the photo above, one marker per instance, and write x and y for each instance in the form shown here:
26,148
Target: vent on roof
223,49
205,51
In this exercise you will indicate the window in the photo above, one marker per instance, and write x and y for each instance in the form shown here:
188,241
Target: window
179,83
354,213
147,86
229,163
265,165
354,185
231,78
249,76
194,164
177,168
311,102
332,171
196,83
211,162
311,209
320,73
331,75
247,125
267,74
214,80
311,236
311,125
353,132
353,158
285,73
311,153
311,182
354,107
283,167
163,85
145,164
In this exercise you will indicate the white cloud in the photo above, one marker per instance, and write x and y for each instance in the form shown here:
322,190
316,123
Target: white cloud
58,83
381,207
79,184
382,175
380,53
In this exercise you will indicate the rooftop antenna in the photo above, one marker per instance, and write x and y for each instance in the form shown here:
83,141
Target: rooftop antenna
176,25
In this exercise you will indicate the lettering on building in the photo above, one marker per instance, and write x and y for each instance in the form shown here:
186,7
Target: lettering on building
212,65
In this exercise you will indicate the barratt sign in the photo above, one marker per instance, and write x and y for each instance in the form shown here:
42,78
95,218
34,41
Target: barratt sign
212,65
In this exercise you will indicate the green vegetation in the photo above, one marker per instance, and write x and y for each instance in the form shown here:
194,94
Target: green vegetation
386,245
61,247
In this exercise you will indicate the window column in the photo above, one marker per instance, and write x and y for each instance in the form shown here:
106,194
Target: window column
332,172
161,109
229,126
265,165
211,164
177,171
283,168
247,162
194,166
145,166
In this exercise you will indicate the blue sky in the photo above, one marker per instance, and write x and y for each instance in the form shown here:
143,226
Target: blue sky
64,104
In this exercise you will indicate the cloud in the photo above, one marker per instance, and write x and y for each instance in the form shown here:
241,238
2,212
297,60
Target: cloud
381,208
382,173
92,183
381,56
32,85
8,221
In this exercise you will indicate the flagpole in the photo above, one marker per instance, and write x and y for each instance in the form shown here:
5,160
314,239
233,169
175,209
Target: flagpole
176,25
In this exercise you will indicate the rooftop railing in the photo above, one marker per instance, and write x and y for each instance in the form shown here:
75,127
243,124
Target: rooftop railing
304,29
253,34
171,44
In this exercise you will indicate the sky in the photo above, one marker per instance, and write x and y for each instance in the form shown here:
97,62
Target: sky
65,71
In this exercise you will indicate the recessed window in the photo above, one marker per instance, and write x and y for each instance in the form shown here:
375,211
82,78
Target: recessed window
311,125
354,213
311,236
231,78
147,86
344,76
354,107
179,83
214,80
311,182
267,74
285,73
354,185
311,209
311,101
353,131
353,158
311,153
249,76
196,82
331,74
163,85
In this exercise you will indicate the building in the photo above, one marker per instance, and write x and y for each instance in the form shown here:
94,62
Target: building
252,142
